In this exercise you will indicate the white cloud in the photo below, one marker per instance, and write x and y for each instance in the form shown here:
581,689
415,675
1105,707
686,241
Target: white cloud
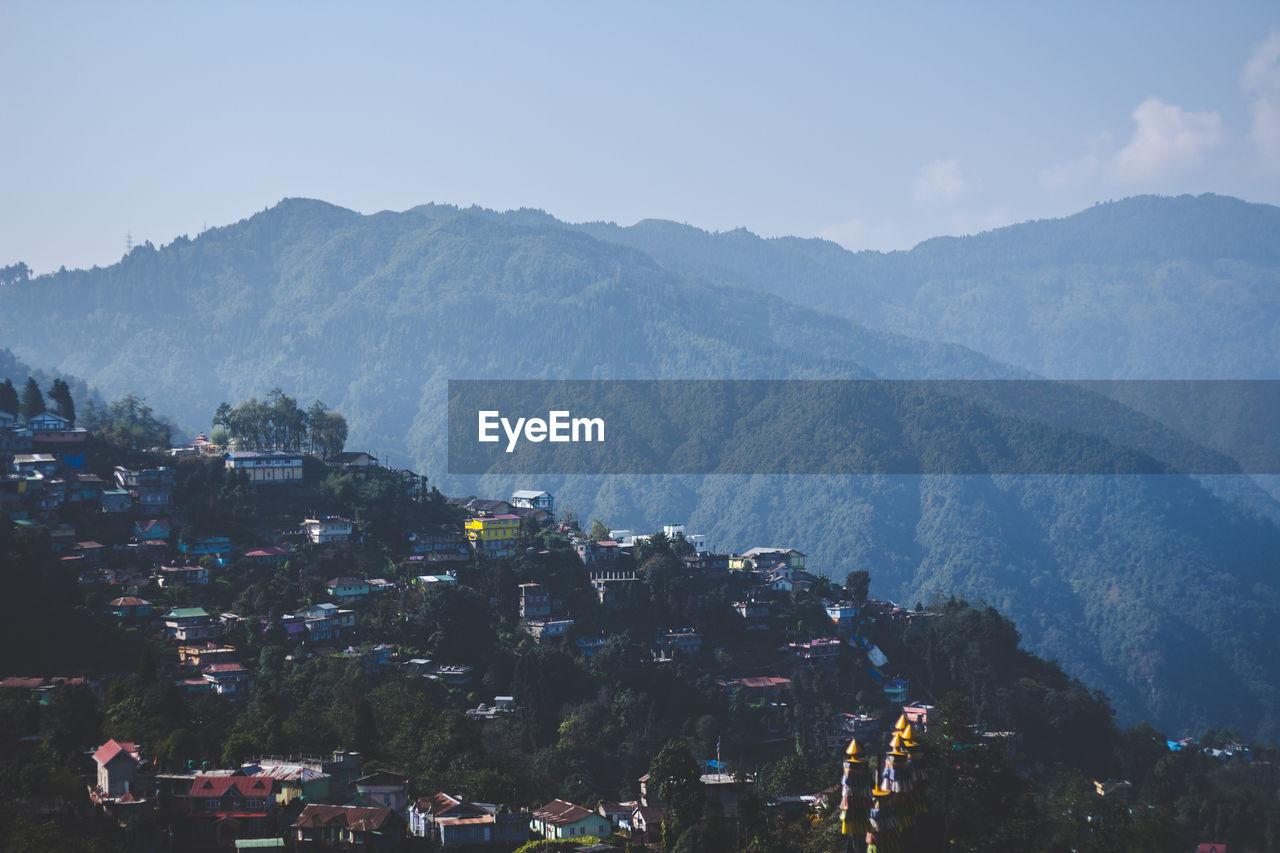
940,183
1167,140
1261,79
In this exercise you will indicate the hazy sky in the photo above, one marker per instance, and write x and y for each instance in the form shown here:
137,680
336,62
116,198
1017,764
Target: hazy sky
873,126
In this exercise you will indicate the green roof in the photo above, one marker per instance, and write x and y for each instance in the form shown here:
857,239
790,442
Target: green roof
184,612
259,843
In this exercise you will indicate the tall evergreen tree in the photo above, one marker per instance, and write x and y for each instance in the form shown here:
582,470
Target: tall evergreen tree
8,397
32,400
60,396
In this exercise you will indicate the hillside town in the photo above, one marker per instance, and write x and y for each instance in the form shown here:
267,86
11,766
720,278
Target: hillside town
232,568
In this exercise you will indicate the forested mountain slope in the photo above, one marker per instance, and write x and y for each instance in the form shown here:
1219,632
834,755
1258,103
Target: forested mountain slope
1149,587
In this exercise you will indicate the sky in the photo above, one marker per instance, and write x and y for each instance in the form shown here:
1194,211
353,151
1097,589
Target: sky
872,126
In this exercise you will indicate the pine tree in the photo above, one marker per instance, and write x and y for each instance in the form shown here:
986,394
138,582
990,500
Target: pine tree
32,400
60,396
8,397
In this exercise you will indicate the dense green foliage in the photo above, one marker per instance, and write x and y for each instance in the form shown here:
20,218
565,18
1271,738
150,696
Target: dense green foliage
1150,588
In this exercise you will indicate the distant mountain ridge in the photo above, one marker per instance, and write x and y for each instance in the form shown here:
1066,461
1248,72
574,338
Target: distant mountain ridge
1148,587
1148,287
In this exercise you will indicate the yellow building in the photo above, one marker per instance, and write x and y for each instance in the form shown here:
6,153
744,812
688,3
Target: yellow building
493,535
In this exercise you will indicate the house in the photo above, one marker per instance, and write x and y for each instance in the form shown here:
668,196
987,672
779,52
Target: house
645,824
619,814
44,464
85,488
535,602
534,499
171,576
267,467
348,588
481,506
783,578
493,535
48,422
205,654
707,565
895,690
754,613
687,641
129,607
767,688
823,651
322,779
8,420
842,728
317,623
116,500
548,629
94,553
40,691
150,528
246,799
604,552
762,558
322,826
843,615
439,543
191,623
452,822
150,488
425,581
589,647
292,781
727,790
560,819
228,679
118,764
1211,847
384,788
329,529
218,547
353,460
501,705
918,715
268,555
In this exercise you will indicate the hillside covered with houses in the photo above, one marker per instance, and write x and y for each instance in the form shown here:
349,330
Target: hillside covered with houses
287,644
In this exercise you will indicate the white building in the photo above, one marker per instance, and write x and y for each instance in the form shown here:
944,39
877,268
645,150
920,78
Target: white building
267,466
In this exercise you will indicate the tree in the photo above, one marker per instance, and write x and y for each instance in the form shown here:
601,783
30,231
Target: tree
8,397
60,395
674,774
32,400
858,584
599,530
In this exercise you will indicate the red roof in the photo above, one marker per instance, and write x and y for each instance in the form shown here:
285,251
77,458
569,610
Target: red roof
560,813
269,551
128,601
218,786
357,818
113,749
224,667
1210,847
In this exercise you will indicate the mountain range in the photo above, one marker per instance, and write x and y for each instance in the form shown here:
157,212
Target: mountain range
1160,590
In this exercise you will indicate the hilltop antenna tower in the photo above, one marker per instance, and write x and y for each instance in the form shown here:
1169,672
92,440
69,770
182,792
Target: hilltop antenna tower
128,241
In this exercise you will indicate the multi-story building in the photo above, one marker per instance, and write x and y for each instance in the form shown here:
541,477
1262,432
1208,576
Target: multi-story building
328,529
267,467
493,535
